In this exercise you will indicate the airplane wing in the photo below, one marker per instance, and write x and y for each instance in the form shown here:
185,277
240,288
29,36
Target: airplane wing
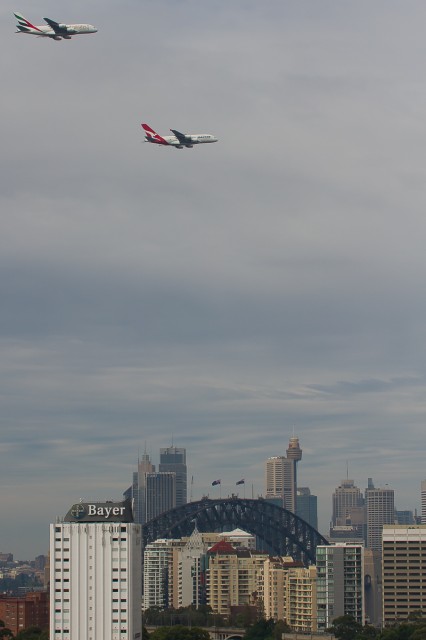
57,28
181,136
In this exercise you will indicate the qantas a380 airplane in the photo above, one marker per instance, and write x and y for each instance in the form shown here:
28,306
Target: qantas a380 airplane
54,30
178,140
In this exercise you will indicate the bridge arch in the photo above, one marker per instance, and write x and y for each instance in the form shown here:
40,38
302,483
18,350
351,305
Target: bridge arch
282,532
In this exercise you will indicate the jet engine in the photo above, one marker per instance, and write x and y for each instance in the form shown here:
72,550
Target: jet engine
189,146
66,37
56,37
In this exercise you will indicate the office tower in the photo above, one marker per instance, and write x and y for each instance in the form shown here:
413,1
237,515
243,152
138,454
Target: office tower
346,497
423,497
404,571
404,517
280,481
281,476
95,573
349,519
306,506
380,511
340,583
173,459
160,493
136,493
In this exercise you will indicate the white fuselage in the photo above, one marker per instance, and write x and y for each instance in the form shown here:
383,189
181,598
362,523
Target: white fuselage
67,31
191,138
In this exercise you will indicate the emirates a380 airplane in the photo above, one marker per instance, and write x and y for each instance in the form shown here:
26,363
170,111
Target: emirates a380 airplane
54,30
178,140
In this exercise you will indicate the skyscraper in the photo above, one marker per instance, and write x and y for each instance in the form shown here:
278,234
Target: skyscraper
281,476
423,496
280,481
174,459
95,573
306,506
160,493
138,489
380,504
345,497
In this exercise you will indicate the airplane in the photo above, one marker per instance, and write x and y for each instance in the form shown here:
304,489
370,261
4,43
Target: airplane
178,140
54,30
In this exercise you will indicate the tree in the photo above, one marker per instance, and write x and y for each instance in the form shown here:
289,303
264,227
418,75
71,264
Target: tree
281,627
346,628
260,630
145,634
179,632
4,632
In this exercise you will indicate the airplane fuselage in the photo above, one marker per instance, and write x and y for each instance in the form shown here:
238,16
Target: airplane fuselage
191,139
69,30
178,140
53,30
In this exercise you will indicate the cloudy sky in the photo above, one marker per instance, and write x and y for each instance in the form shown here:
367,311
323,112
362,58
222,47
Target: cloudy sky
220,296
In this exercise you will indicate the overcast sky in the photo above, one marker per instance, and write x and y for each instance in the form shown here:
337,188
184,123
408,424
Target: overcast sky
220,296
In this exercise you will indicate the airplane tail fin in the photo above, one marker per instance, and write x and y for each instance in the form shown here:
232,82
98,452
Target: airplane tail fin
153,136
24,25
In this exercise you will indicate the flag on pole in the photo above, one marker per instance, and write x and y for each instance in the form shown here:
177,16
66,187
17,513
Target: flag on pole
242,481
215,482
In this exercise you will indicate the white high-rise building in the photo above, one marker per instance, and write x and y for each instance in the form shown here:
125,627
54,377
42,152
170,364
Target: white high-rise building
280,481
95,573
281,476
158,579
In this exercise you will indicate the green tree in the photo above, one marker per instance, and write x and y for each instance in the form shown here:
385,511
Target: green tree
260,630
281,627
4,631
145,634
346,628
179,632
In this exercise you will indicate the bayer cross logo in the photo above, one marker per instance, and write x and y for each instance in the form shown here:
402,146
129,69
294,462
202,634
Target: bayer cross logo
78,511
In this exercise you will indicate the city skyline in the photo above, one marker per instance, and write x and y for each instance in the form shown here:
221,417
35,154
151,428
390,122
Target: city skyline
220,297
228,486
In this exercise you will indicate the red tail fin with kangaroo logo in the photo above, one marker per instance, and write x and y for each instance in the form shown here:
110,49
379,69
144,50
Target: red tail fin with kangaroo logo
152,136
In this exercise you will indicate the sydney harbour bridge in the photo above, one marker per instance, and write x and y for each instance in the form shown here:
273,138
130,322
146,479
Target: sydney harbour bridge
278,531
